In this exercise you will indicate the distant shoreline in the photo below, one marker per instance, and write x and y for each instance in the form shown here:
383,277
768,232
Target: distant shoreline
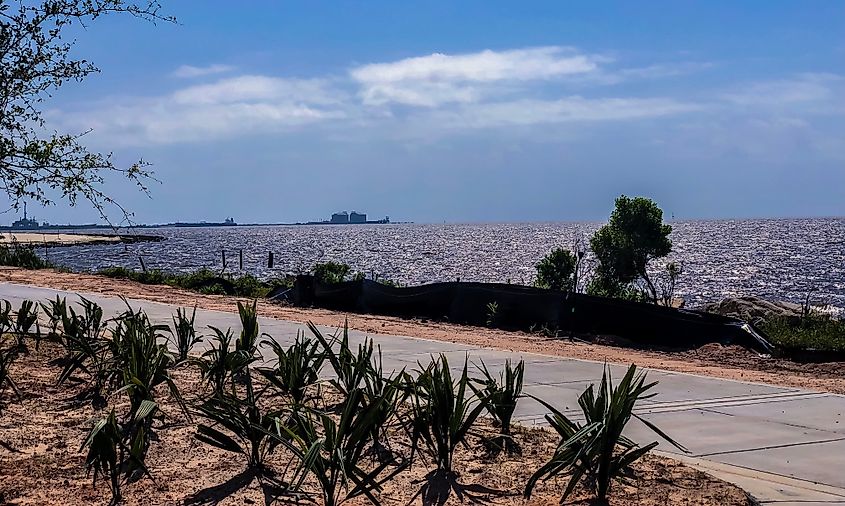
54,239
92,226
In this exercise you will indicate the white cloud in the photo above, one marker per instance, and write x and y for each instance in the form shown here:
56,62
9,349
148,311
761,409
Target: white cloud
802,89
257,88
229,107
439,78
190,71
570,109
417,97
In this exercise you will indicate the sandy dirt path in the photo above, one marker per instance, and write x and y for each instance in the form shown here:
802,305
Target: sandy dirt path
729,362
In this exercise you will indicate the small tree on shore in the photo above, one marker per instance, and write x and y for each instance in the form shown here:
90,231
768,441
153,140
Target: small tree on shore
556,270
633,236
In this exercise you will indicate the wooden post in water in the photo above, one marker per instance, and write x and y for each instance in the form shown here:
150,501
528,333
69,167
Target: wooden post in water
270,260
143,266
223,252
241,259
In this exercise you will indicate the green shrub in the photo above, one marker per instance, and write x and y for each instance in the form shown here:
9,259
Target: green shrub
332,450
556,270
203,280
296,367
21,255
117,451
6,358
351,368
184,335
597,449
499,397
633,236
813,331
220,364
443,412
249,428
332,272
248,285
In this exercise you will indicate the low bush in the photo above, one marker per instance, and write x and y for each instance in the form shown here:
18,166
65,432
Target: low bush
556,270
21,255
444,411
814,331
332,272
202,280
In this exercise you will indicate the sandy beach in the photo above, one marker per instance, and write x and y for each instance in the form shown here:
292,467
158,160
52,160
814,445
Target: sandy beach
55,238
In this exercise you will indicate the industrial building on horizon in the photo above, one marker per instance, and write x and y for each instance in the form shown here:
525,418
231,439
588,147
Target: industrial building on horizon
352,218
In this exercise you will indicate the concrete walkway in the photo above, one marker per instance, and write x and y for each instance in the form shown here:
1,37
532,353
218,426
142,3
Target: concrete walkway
782,445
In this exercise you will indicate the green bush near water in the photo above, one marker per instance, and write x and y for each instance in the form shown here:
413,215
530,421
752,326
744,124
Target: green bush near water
814,331
20,255
203,280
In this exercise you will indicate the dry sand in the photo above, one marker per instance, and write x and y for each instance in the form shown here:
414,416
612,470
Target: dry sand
730,362
41,462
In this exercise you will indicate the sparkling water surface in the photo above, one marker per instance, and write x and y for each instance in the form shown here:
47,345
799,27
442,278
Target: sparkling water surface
778,259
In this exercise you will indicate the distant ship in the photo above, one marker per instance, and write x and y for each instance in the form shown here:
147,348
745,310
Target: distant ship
228,222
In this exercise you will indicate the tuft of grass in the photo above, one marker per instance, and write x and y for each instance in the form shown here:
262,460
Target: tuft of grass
814,331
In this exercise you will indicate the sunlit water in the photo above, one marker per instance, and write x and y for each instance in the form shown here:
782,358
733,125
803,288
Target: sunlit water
775,259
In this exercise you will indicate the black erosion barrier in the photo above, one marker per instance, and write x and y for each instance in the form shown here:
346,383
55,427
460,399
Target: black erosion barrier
527,308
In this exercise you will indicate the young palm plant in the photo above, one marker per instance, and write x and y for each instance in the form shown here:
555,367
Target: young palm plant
248,340
117,451
86,347
350,368
220,364
252,432
143,361
184,335
597,449
387,394
499,397
25,319
55,311
331,450
296,367
7,356
443,412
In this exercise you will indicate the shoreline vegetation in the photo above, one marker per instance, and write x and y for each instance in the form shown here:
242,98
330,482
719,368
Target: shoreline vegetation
209,419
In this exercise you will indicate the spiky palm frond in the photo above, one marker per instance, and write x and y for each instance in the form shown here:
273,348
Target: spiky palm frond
239,425
296,367
184,334
220,364
350,368
597,449
331,449
500,396
443,411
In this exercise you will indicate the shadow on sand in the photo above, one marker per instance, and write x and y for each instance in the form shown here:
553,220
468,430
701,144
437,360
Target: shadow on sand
274,490
438,486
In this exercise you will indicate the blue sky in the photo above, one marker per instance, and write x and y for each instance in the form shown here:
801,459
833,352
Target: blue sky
468,111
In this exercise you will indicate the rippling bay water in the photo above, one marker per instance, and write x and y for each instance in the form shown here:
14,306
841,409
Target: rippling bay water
775,259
